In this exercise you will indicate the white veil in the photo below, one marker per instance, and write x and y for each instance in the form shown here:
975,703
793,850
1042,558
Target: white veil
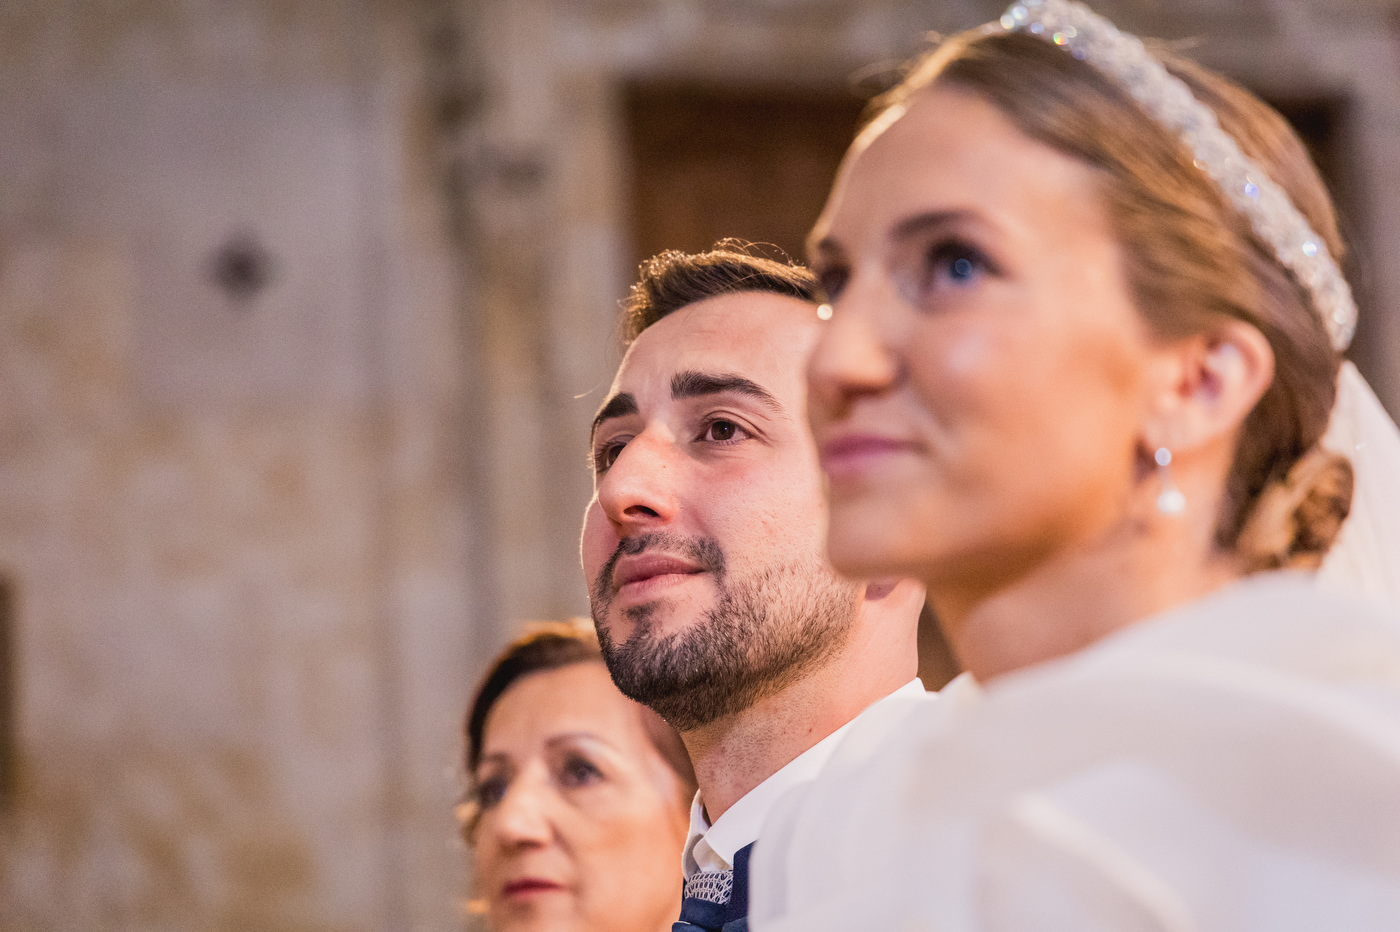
1366,556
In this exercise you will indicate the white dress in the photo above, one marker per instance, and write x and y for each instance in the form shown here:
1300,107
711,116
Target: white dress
1229,766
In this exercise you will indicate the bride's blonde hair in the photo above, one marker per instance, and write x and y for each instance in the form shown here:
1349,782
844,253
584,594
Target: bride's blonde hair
1192,259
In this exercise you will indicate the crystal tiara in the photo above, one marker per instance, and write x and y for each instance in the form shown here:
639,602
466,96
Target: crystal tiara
1166,98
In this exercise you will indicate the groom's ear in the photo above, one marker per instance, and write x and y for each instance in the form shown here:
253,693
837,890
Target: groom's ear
904,592
877,589
1203,387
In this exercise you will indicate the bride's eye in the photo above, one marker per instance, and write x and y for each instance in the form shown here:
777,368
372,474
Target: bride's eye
962,269
955,263
833,280
947,267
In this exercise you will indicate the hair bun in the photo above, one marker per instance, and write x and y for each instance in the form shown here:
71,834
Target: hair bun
1294,520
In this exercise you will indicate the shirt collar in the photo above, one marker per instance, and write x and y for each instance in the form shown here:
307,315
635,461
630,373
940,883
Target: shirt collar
713,846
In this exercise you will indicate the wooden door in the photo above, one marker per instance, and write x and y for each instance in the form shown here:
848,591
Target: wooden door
711,163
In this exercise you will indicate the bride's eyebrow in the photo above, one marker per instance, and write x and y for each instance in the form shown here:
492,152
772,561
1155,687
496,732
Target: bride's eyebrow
828,248
933,220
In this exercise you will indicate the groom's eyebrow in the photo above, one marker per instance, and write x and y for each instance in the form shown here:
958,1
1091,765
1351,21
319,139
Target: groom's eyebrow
620,405
690,384
693,384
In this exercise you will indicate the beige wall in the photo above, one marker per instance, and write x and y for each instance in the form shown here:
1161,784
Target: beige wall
239,531
261,549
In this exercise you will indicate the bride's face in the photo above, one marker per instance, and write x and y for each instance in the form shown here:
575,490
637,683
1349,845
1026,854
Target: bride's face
977,393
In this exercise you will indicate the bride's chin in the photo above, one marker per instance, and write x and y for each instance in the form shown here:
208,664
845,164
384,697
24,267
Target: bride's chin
863,546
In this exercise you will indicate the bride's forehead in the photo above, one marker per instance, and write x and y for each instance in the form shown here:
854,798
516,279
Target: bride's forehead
949,129
951,150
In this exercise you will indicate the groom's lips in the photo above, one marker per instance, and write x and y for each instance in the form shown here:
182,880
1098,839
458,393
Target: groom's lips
642,575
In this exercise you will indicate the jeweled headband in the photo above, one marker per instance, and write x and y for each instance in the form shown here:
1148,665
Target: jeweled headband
1166,98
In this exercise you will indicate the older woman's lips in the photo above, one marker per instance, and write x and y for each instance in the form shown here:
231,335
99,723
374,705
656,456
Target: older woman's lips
853,455
529,886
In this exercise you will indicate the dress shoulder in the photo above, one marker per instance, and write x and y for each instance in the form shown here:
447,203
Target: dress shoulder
1230,765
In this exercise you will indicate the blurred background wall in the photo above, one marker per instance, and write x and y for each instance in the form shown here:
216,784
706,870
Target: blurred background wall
304,308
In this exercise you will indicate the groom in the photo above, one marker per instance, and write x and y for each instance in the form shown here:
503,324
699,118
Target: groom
703,550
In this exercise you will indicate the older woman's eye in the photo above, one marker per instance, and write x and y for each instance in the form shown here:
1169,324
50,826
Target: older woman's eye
490,791
578,771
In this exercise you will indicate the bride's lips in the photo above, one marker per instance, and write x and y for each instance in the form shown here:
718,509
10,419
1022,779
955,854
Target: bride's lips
529,886
849,456
642,575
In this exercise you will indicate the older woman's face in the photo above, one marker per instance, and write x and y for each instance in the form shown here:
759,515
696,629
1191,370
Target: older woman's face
582,822
976,395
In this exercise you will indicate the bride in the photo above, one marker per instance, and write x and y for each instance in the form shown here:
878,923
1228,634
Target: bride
1085,335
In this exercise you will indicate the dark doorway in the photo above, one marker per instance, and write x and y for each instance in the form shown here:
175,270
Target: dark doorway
754,164
1324,124
9,725
1319,121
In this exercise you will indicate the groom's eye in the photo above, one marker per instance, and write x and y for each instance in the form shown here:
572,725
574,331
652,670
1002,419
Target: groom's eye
723,430
606,454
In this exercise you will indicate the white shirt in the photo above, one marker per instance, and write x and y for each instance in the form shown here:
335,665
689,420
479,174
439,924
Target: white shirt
712,847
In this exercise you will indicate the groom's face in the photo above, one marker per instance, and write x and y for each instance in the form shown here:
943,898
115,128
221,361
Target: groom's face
703,542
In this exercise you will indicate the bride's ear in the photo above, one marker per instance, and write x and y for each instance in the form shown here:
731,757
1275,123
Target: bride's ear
1204,386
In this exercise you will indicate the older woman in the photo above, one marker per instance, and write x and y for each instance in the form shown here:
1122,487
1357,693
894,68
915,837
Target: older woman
1085,333
579,800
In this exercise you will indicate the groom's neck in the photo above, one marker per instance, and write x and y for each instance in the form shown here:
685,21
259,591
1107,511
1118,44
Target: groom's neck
735,754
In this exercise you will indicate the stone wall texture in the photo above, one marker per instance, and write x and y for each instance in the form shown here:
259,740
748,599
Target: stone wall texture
237,525
304,308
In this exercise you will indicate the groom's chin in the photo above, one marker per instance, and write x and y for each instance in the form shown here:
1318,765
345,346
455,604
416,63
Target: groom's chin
659,619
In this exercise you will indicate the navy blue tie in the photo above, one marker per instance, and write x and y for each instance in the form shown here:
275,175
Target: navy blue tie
717,901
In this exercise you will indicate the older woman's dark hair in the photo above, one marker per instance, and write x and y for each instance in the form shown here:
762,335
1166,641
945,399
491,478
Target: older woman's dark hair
549,646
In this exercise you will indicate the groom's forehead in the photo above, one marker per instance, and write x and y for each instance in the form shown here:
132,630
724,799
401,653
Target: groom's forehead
760,336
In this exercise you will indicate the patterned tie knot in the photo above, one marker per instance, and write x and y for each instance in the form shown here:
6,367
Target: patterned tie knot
711,886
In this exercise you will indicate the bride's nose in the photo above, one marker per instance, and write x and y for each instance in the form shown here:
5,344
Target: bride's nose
853,356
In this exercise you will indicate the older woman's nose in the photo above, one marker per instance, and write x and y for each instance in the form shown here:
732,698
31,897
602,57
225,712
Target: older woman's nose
522,817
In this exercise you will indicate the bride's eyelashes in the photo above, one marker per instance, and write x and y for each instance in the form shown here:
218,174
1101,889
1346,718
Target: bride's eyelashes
833,280
944,266
944,269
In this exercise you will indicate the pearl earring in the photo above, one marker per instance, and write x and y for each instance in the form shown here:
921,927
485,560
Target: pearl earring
1170,500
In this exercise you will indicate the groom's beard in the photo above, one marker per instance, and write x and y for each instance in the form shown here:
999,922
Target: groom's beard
767,629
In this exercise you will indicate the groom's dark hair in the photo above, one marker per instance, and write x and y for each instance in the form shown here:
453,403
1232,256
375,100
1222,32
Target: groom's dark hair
672,280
